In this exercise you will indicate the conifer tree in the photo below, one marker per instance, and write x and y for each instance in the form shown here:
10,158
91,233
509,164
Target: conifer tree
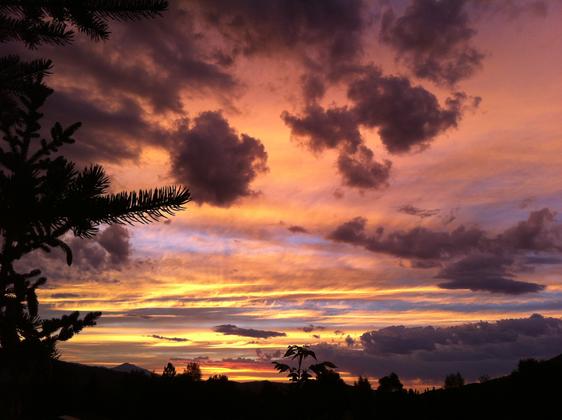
44,197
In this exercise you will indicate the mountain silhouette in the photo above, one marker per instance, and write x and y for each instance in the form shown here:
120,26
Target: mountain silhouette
131,368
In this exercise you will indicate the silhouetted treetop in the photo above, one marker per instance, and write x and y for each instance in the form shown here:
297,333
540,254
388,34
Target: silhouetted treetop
363,385
453,380
192,372
169,371
37,22
390,383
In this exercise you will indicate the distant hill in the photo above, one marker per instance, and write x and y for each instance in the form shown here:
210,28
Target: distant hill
130,368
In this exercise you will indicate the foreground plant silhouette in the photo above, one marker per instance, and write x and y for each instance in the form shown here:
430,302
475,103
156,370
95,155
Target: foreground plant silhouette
300,373
45,197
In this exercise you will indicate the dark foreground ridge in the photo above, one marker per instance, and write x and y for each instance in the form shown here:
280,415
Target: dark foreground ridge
96,393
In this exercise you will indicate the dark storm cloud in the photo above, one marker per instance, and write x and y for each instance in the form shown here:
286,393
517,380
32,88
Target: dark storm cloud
321,31
164,338
297,229
116,241
406,340
109,250
154,60
489,272
109,132
418,212
469,258
215,162
406,116
313,88
419,242
323,129
430,353
360,170
153,63
434,39
539,232
229,329
87,254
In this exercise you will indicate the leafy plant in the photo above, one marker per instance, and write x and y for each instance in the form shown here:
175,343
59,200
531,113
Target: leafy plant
300,373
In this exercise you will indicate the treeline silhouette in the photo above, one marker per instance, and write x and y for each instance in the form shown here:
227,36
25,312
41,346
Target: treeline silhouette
532,391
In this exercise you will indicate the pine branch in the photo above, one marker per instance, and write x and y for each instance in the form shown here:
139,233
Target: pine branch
15,74
36,22
34,32
143,206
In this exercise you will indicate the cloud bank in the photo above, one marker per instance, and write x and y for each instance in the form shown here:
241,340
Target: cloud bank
469,257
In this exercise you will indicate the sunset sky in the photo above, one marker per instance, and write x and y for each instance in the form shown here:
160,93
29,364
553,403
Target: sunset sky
370,178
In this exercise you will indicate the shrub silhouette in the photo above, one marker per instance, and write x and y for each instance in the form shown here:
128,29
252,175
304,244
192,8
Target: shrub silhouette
217,379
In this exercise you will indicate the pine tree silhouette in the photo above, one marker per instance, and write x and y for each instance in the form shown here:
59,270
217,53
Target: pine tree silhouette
44,196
